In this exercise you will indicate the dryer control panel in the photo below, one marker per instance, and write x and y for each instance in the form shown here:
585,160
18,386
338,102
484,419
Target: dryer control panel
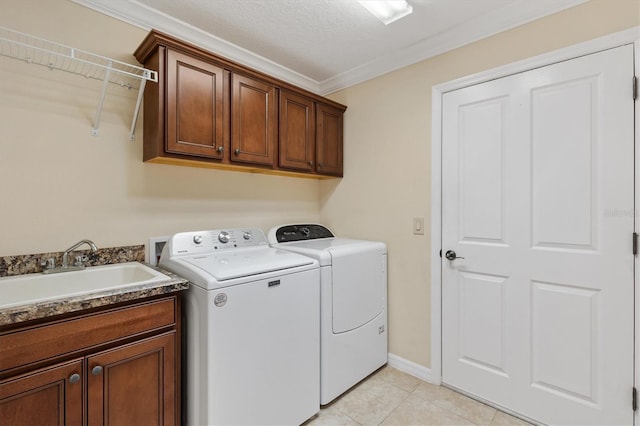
215,240
289,233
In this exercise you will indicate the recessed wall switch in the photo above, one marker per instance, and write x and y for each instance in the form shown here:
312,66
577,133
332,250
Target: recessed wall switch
418,225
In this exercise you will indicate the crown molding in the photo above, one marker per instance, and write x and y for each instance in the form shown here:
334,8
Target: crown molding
516,13
141,16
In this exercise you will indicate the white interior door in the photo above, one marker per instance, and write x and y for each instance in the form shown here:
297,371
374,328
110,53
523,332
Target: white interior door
538,199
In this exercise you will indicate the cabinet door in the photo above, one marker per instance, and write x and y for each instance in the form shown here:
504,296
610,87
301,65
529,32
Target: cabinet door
134,384
50,396
253,120
297,132
197,106
329,140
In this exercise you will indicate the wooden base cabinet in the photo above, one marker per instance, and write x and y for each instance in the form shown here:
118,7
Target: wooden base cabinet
49,396
133,384
207,111
130,378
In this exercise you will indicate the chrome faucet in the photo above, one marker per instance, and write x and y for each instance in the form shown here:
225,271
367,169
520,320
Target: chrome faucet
65,256
49,264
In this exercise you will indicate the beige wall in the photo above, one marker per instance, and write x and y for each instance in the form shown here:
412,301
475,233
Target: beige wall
59,184
387,154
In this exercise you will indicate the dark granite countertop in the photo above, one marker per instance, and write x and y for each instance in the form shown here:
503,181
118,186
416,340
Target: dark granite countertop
58,306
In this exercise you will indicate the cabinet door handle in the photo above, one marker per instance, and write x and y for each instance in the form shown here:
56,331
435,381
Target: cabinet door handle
220,149
311,163
96,370
237,151
74,378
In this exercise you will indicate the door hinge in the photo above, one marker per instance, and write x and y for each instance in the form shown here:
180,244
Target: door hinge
635,87
634,399
635,243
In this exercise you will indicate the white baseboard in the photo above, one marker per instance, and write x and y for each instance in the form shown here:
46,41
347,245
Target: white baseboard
410,367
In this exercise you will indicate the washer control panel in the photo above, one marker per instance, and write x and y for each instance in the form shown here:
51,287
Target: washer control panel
215,240
290,233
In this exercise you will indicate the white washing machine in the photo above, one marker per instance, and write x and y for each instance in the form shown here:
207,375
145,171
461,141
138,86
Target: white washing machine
251,318
353,303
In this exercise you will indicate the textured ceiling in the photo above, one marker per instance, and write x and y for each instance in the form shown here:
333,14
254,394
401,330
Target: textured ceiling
324,45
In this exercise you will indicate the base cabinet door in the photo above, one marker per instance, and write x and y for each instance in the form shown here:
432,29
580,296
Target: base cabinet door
133,384
50,396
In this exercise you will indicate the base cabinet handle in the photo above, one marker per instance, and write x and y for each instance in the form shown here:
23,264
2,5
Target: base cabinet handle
96,370
74,378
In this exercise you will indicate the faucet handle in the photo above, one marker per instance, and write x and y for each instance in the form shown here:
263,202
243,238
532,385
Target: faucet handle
80,259
48,263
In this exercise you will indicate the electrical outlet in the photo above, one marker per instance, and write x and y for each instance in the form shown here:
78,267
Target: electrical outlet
154,249
418,225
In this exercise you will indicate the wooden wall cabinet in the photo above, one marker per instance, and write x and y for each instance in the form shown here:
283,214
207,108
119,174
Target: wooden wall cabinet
111,367
207,111
329,140
297,132
254,124
196,107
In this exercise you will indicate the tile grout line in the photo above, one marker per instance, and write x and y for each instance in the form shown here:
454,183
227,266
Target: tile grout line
400,403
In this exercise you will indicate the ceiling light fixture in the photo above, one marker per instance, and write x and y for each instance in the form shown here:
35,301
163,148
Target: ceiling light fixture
387,10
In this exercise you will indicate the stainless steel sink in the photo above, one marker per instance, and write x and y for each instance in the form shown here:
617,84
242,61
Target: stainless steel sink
35,288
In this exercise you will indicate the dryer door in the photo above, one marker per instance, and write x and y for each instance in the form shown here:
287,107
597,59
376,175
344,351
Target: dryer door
358,285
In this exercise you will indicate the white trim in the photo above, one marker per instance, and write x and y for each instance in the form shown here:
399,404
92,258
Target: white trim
142,16
607,42
497,21
516,13
637,229
409,367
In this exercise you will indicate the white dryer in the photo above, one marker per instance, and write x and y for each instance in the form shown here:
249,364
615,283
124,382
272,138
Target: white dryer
353,302
252,328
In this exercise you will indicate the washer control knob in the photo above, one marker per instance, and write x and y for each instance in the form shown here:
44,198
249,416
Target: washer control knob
197,239
223,237
247,235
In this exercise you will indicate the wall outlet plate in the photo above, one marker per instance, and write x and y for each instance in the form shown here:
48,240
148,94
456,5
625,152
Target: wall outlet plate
154,249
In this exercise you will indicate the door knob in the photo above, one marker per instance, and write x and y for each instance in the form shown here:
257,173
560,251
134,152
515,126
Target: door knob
96,370
74,378
237,151
451,255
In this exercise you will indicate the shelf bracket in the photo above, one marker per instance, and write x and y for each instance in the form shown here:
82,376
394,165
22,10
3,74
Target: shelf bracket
105,84
136,111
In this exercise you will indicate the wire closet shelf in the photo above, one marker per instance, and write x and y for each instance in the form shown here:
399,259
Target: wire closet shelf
55,56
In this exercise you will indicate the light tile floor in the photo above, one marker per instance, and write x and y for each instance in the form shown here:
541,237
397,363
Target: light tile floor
391,397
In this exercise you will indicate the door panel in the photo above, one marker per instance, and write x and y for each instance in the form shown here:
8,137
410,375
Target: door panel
563,118
538,310
49,396
564,347
482,331
197,107
482,174
297,132
254,120
329,123
134,384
